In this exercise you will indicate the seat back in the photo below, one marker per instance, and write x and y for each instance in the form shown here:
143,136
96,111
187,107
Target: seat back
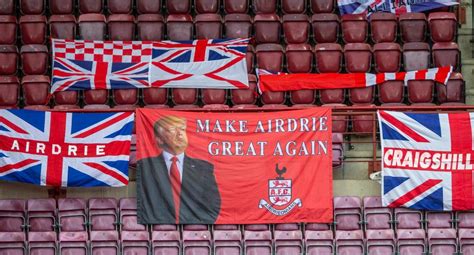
325,27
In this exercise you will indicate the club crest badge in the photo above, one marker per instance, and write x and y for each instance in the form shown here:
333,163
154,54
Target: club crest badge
279,194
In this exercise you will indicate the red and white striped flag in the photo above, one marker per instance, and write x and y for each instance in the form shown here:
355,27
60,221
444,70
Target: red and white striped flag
268,81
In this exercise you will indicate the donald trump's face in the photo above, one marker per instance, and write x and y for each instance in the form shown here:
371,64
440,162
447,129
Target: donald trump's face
170,134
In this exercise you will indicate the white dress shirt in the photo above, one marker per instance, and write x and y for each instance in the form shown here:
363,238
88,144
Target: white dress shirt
168,161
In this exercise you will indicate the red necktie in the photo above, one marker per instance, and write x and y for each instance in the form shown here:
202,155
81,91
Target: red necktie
175,186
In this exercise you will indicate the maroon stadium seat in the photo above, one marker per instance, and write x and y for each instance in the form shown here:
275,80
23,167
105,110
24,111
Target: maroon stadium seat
125,96
236,6
380,241
299,60
13,243
376,216
62,27
207,6
325,27
150,27
12,215
258,242
9,91
226,227
322,6
178,6
42,243
267,28
358,57
33,29
453,92
264,6
8,26
227,242
407,218
128,215
34,59
73,243
337,147
121,27
104,242
35,89
446,54
247,96
61,6
184,96
8,60
103,214
347,213
293,6
350,242
317,226
319,242
392,93
214,96
295,28
41,214
166,242
329,60
466,241
66,98
287,226
238,25
32,7
148,6
439,220
208,26
155,96
465,219
179,27
8,7
92,26
416,56
387,57
412,26
411,241
443,26
383,26
442,241
72,214
257,227
250,59
270,57
120,6
288,242
196,242
165,227
91,6
421,91
355,28
96,96
195,227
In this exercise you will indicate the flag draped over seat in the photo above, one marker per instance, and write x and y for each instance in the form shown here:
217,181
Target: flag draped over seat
397,7
216,63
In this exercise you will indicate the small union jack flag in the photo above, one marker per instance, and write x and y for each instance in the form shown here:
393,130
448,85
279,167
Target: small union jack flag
65,149
394,6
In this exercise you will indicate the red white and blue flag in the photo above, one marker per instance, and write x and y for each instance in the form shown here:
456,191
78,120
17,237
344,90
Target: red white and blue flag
65,149
394,6
216,63
427,160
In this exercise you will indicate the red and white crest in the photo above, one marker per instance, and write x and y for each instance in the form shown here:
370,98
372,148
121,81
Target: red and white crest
279,191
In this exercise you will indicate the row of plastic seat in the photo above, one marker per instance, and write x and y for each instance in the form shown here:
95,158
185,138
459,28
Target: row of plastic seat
28,7
264,28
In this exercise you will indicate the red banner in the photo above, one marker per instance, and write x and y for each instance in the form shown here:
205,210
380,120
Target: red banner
234,168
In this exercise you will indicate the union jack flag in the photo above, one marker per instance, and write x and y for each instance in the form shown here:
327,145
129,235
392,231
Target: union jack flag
427,160
65,149
394,6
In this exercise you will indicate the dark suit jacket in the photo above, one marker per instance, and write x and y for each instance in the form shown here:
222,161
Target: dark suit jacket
200,199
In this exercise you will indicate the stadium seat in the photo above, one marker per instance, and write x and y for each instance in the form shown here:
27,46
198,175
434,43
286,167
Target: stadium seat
207,6
376,216
247,96
465,219
286,226
443,26
103,214
92,27
329,60
121,27
439,220
387,57
72,214
411,242
325,27
165,227
442,241
288,242
250,59
421,92
258,242
383,26
184,96
61,7
412,27
128,215
299,58
179,27
355,28
407,218
150,27
264,6
8,60
125,96
165,242
380,241
41,214
226,227
195,227
148,6
8,26
8,7
392,93
257,227
322,6
358,57
73,243
32,7
227,242
337,147
96,97
13,243
135,242
155,96
295,28
62,26
35,90
350,242
104,242
416,56
34,59
119,6
42,243
347,213
236,6
12,214
208,26
214,96
267,28
293,6
197,242
9,91
446,54
66,98
466,241
178,6
317,226
319,242
91,6
238,25
33,29
270,57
